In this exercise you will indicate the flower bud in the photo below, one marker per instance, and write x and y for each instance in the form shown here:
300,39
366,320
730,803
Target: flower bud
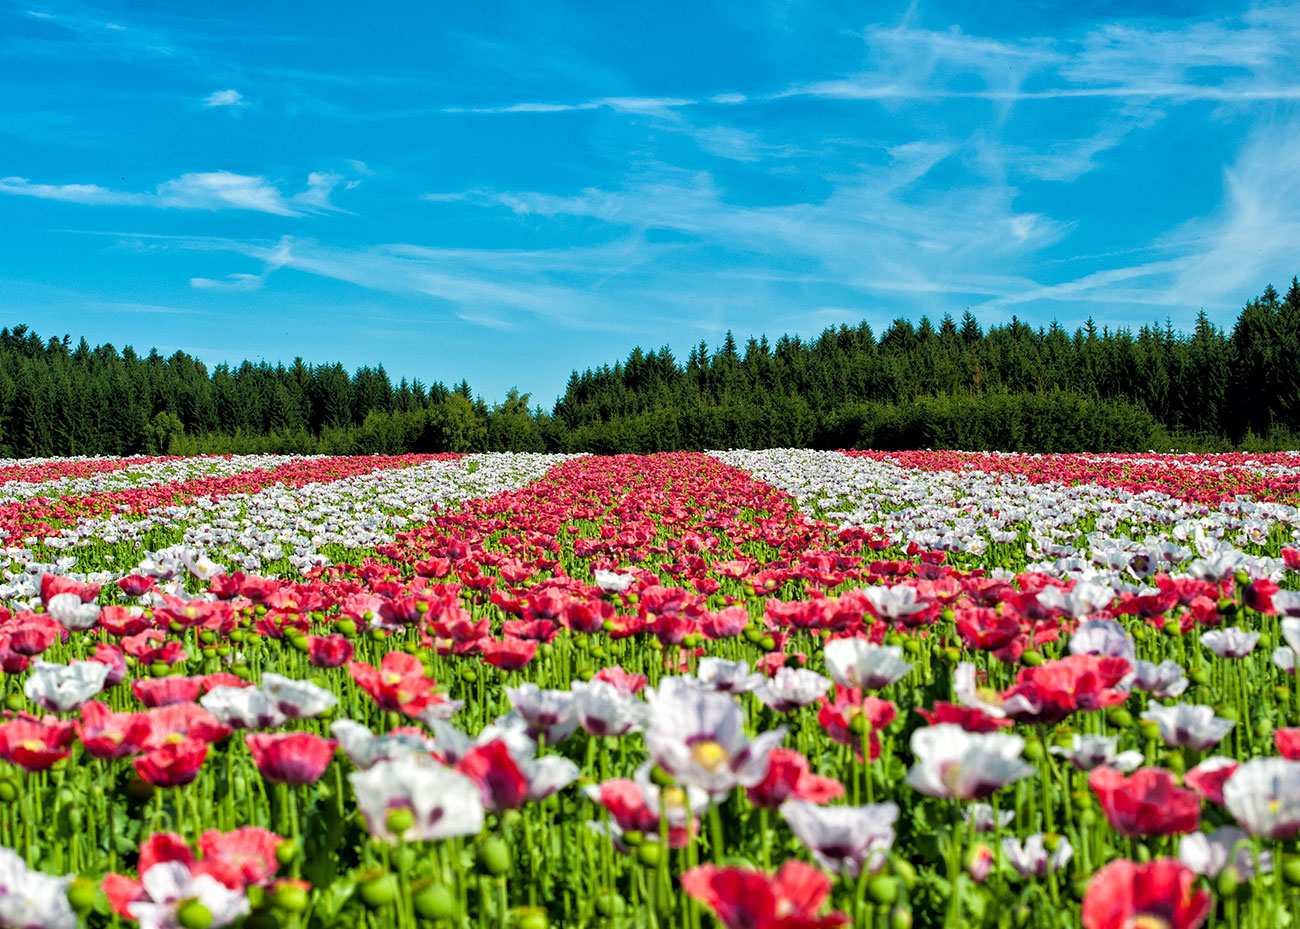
434,902
379,891
494,856
193,915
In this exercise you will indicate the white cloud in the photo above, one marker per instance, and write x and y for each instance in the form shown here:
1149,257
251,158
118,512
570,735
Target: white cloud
225,98
220,190
231,282
198,190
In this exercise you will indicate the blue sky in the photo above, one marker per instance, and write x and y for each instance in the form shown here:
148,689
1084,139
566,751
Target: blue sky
506,191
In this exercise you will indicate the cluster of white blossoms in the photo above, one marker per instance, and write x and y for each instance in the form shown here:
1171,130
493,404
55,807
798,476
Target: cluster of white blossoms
1083,531
250,531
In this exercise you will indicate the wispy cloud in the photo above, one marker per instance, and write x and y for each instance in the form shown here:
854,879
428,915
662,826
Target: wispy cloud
224,98
198,190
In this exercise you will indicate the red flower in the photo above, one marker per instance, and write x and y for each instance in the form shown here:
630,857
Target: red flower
1259,595
1288,743
112,656
503,785
1148,802
969,718
239,857
789,778
290,757
398,684
329,651
136,585
30,634
181,721
1051,692
1208,778
106,734
745,899
987,629
625,683
164,691
837,718
120,620
509,654
1160,893
174,764
33,745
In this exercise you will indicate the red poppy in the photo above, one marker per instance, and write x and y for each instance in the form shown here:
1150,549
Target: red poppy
987,630
503,785
120,620
240,857
790,778
1127,895
136,585
969,718
509,654
164,691
398,684
625,683
174,764
329,651
180,721
1051,692
290,757
112,656
1208,778
837,718
34,745
745,899
106,734
1148,802
1288,743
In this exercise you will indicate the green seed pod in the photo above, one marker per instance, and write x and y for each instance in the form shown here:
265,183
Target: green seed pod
399,819
291,898
767,643
900,917
379,891
952,654
8,791
883,889
660,777
911,646
1120,717
632,838
81,894
599,653
1034,751
530,917
468,673
347,627
1291,871
1031,658
494,856
194,915
751,635
1143,853
947,614
1172,628
1020,915
1199,675
609,904
286,852
859,725
1149,729
434,902
585,674
904,871
649,854
14,702
1228,712
1228,882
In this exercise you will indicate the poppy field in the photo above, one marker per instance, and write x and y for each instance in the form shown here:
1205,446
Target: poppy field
753,689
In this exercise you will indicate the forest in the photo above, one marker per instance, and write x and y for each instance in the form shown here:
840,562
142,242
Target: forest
955,385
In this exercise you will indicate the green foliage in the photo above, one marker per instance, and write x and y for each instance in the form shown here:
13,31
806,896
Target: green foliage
956,385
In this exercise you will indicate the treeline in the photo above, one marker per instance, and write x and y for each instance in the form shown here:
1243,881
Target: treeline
954,385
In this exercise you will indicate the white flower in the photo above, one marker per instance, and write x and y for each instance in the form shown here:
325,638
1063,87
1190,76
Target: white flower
979,816
1210,854
1264,796
859,663
1233,642
1165,680
894,602
442,802
1093,751
612,582
844,839
1032,859
698,736
792,688
951,762
603,710
297,699
242,708
32,898
71,612
60,688
364,748
1083,599
169,885
548,713
728,677
1102,637
1188,725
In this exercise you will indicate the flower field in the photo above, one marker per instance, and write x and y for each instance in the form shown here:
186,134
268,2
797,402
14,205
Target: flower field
752,689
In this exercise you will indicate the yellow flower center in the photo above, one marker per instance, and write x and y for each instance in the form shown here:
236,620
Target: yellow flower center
1148,921
709,755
